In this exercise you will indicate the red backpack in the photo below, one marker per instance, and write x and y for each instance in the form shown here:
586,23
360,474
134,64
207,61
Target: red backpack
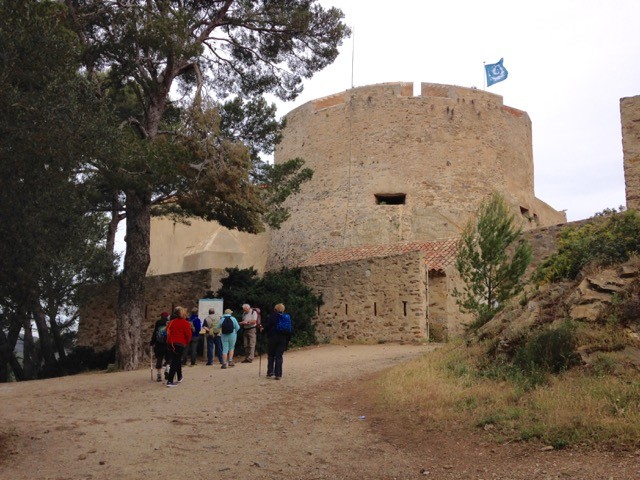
258,319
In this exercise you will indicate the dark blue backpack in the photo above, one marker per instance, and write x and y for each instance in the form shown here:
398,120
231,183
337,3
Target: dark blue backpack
284,324
161,334
227,325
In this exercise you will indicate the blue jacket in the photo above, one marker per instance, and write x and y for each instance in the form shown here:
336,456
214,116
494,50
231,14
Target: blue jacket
197,324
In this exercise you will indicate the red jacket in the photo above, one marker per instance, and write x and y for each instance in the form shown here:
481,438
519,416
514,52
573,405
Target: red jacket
179,332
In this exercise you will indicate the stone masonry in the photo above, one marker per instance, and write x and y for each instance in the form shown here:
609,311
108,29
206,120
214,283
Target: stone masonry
630,118
392,167
97,327
371,300
367,300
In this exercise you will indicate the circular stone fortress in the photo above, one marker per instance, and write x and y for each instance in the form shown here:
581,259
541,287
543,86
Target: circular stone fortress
392,167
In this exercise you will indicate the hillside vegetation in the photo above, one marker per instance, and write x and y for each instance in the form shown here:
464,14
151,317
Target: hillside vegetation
559,365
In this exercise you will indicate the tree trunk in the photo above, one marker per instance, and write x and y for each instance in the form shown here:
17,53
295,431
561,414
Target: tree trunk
46,342
57,337
131,300
112,229
7,346
29,357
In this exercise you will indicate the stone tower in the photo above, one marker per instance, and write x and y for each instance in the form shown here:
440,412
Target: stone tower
391,167
630,118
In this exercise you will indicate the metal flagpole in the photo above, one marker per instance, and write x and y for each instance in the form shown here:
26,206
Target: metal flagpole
353,53
484,76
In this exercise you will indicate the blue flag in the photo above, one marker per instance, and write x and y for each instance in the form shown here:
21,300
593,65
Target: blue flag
495,73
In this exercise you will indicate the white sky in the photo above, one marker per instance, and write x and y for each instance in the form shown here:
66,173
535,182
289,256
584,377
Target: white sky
569,63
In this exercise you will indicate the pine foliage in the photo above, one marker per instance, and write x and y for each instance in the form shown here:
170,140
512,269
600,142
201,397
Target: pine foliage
492,259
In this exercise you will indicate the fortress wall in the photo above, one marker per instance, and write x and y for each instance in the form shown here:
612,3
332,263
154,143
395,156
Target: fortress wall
446,150
371,300
374,301
630,118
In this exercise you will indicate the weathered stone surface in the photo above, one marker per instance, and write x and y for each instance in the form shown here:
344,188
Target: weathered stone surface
628,271
585,301
392,167
608,281
97,326
588,312
630,117
375,299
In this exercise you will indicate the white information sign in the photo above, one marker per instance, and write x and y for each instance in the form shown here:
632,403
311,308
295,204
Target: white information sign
204,304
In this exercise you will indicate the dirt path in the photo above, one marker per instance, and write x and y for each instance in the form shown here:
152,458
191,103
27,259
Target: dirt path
233,424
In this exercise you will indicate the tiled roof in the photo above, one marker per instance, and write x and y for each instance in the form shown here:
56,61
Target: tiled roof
439,254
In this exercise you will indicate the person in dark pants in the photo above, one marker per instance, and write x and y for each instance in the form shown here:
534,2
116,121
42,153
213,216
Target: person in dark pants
178,337
217,341
210,326
159,343
196,326
277,341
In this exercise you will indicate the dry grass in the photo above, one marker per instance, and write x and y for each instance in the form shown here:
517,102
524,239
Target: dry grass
445,390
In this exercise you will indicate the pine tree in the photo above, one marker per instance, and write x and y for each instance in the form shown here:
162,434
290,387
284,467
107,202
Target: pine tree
196,152
492,259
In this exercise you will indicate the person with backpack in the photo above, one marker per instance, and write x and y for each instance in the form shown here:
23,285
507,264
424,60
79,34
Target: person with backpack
212,335
196,326
159,343
178,337
249,326
229,327
279,329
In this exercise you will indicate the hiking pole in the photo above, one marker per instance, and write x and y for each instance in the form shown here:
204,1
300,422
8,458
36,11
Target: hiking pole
151,361
259,354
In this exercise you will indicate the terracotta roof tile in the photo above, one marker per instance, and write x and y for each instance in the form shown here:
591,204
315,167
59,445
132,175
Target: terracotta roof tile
439,254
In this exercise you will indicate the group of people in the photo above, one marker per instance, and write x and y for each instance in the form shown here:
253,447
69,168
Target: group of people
176,338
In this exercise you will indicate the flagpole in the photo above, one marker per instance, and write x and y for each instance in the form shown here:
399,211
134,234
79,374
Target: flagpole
484,76
353,53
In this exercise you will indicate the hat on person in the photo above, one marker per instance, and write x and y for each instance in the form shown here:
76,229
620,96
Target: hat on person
165,314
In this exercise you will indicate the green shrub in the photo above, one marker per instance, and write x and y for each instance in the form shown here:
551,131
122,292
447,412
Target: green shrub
625,308
284,286
552,351
606,240
86,358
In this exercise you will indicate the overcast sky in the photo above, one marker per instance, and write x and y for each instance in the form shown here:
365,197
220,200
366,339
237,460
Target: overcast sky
569,63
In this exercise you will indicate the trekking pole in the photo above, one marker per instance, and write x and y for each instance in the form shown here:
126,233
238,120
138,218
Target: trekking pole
259,355
151,361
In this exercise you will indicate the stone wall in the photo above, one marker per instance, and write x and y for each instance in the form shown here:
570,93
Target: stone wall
630,118
368,300
390,167
377,299
97,326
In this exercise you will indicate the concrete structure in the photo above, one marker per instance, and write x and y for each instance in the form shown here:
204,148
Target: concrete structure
630,117
178,247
